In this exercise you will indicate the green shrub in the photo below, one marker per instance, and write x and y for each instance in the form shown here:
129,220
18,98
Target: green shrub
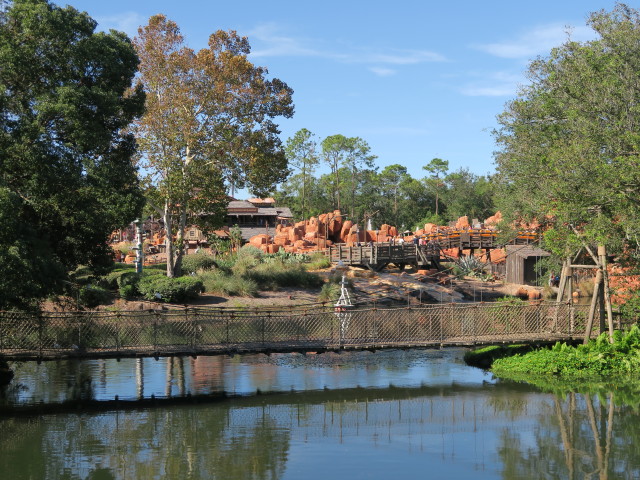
283,256
330,292
220,283
175,290
597,358
631,308
468,265
243,264
128,291
318,261
271,276
198,262
250,251
112,280
93,295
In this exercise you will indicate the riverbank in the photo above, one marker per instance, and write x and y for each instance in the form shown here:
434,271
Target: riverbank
391,287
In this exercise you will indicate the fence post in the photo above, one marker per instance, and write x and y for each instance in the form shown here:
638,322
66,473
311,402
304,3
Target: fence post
118,321
155,330
193,326
40,329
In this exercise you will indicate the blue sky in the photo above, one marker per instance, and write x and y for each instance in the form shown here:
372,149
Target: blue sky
415,79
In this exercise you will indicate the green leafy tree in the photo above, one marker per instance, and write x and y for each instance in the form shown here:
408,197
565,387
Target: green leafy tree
437,168
391,180
66,175
208,123
302,155
570,142
468,194
352,153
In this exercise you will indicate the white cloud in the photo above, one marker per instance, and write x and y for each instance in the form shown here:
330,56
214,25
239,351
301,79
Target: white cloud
272,43
382,72
536,41
494,84
277,45
410,57
127,22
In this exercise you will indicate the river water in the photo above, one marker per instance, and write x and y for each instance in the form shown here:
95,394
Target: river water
384,415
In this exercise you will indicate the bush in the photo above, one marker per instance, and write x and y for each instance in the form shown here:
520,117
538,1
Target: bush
174,290
93,295
330,292
243,264
220,283
318,261
250,251
198,262
128,291
112,279
597,358
271,276
468,265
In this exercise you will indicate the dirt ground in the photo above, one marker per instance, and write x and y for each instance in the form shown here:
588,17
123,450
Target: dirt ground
387,287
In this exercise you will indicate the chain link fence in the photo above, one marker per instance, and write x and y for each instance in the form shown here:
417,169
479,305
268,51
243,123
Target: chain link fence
202,330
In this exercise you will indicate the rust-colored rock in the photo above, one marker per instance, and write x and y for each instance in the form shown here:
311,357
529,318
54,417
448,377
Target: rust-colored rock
462,222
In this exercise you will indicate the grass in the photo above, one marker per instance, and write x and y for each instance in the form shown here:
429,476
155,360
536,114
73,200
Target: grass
224,284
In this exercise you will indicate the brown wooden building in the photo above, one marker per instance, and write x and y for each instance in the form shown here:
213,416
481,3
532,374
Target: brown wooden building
520,263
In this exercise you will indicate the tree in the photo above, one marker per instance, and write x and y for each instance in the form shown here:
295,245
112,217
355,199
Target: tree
301,154
468,194
207,123
570,143
66,175
436,167
391,180
350,152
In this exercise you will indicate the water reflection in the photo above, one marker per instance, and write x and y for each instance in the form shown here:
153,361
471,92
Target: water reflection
441,419
488,432
55,382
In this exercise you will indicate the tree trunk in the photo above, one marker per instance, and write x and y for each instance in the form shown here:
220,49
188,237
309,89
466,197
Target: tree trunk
168,238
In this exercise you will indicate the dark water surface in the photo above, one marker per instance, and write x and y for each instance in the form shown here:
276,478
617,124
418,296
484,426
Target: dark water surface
386,415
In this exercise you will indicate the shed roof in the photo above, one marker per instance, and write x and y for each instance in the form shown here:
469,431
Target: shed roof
526,251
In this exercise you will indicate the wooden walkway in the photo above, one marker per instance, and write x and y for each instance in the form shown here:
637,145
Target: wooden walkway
218,331
378,255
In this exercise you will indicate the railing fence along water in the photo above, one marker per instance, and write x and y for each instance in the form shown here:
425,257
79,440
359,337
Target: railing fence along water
192,331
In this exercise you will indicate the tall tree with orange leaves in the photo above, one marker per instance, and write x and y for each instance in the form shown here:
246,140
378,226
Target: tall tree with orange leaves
208,123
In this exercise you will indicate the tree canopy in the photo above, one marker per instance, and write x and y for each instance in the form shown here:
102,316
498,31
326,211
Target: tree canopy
570,142
66,175
208,123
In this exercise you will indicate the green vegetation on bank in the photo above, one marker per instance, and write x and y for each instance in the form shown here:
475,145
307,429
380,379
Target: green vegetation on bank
243,274
596,359
484,357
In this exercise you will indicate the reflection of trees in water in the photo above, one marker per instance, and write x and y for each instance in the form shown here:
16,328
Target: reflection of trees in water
197,442
580,437
573,437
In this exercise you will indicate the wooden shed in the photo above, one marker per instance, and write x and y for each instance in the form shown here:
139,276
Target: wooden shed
520,263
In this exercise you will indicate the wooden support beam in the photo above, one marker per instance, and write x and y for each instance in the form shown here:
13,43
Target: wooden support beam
592,309
602,256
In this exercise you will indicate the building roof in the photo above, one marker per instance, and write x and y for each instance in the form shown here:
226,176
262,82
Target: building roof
526,251
243,207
